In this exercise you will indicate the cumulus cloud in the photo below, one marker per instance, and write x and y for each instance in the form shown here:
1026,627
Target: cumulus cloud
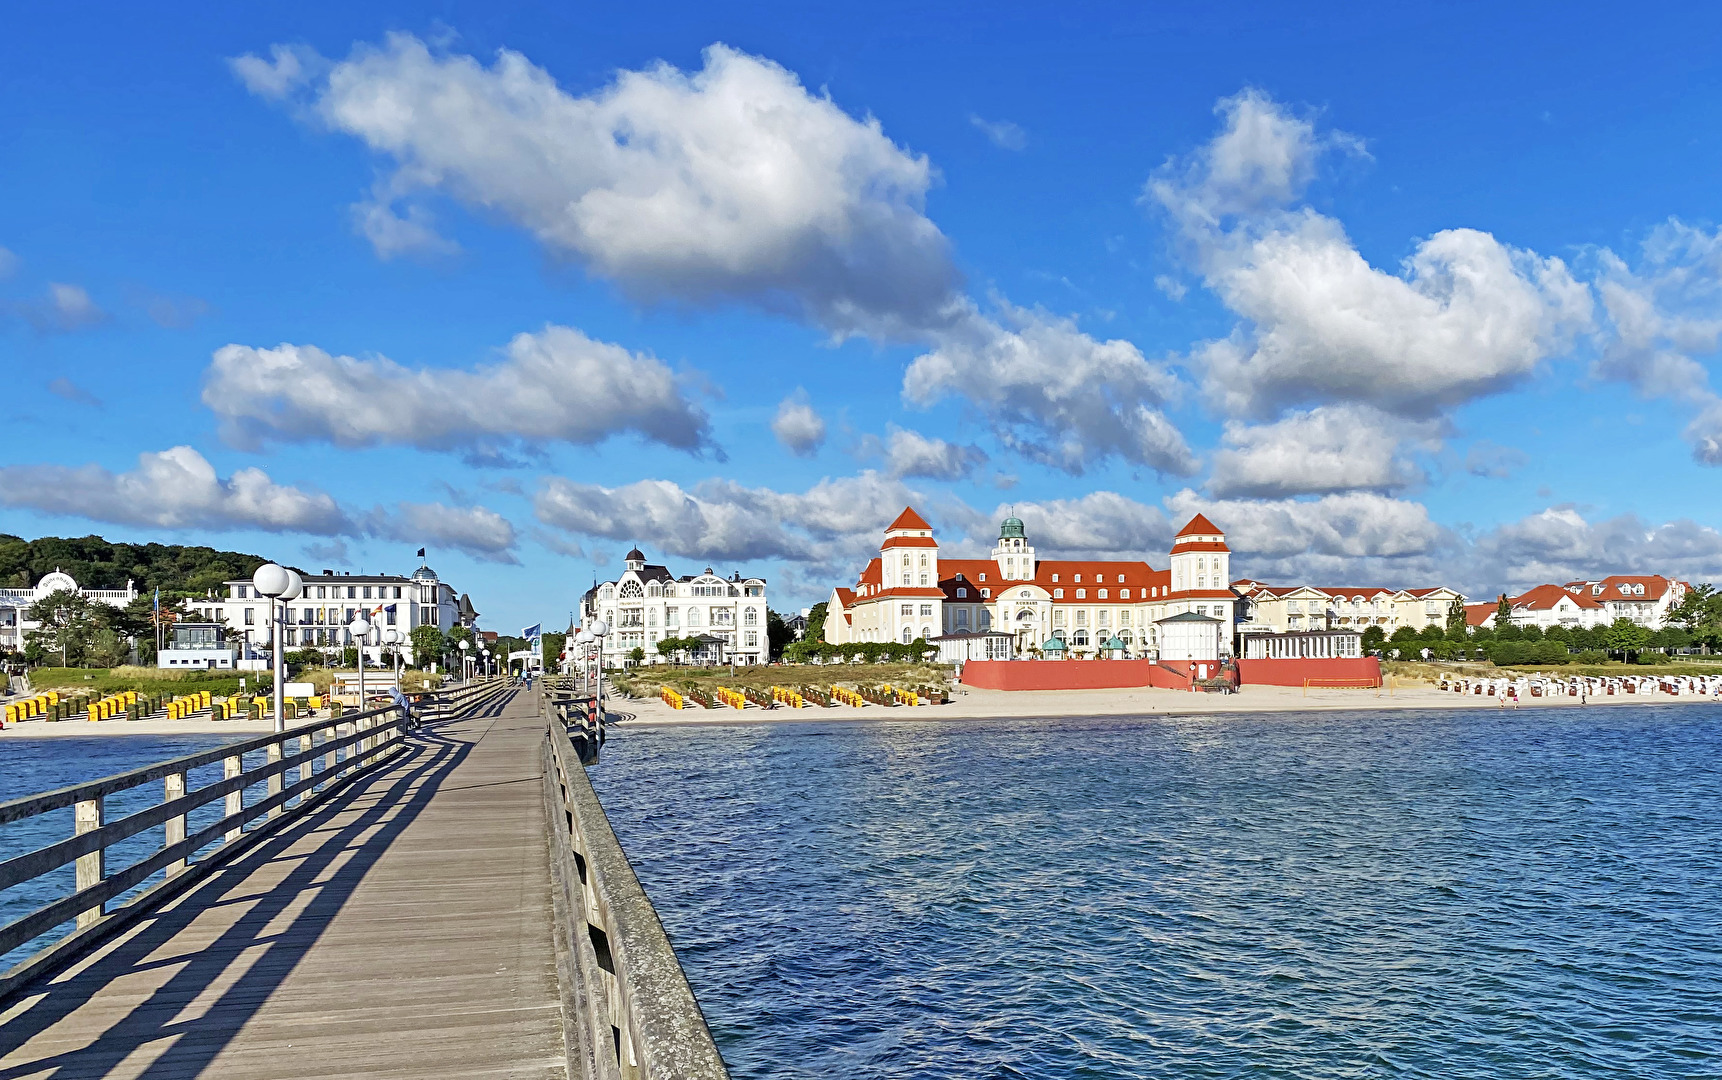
555,385
1331,448
1559,544
909,453
1466,315
178,488
1099,524
798,426
1001,133
288,68
172,489
1054,394
472,529
1664,315
829,526
731,182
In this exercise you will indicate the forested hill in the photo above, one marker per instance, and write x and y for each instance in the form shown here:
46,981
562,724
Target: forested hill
99,564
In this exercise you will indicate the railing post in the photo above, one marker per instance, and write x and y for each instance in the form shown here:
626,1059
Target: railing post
304,764
87,817
230,768
173,787
275,777
330,734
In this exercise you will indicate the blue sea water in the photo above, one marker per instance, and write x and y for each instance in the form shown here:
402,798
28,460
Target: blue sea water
29,766
1448,894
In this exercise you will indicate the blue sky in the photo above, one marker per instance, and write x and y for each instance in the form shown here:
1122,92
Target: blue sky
1395,297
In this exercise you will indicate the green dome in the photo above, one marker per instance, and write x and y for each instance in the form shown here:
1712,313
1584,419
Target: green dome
1012,528
1115,643
1053,645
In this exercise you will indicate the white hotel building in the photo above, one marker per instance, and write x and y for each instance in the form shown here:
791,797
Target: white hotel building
648,604
320,616
15,625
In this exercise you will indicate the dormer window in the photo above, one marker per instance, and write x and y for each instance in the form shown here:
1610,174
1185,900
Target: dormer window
986,592
1101,594
983,578
1120,579
1058,594
1077,578
1123,594
962,592
1055,577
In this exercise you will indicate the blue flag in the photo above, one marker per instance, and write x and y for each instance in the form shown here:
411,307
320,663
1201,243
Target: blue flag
531,632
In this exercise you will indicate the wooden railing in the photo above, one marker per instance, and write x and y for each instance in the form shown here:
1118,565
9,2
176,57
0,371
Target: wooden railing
301,767
631,1014
580,716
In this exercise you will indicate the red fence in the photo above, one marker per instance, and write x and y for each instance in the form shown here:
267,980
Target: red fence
1337,671
1083,674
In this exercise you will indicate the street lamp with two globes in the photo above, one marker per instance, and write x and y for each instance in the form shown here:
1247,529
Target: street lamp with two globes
360,628
282,586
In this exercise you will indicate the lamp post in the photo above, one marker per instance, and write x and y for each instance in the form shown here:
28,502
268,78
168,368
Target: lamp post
360,629
486,651
280,585
463,649
599,630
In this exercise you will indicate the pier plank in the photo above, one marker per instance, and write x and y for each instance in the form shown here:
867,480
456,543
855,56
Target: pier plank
402,930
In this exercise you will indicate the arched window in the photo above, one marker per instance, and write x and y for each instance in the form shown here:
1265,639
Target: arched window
1081,637
631,590
906,636
905,560
923,560
750,617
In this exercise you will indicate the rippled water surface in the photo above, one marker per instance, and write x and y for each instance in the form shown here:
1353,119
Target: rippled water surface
1445,894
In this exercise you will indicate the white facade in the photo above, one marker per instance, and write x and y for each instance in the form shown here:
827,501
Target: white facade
648,604
15,626
1189,636
331,601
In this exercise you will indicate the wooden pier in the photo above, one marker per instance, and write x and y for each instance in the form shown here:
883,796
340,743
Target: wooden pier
408,924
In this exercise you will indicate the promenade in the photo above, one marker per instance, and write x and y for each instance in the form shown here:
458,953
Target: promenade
402,929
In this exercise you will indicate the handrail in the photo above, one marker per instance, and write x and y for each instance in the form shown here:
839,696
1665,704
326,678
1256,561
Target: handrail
631,1012
325,756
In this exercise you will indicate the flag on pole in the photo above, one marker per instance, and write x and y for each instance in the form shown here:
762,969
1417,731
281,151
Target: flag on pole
531,632
421,553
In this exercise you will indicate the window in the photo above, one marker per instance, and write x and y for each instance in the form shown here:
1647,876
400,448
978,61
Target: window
1124,618
1082,616
923,581
1101,593
1057,617
986,592
926,611
397,594
1055,577
1103,618
352,592
1123,594
290,637
250,616
631,590
963,618
1080,593
905,560
307,615
1058,594
1120,579
1025,594
908,611
1078,577
671,615
239,592
693,616
390,612
368,592
753,639
962,591
322,592
923,560
983,577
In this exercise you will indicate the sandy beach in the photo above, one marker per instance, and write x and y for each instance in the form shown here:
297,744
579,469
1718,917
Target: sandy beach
43,729
972,703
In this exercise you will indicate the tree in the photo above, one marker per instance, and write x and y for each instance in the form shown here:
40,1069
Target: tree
428,644
67,628
1456,624
1699,613
552,646
1625,636
776,633
637,655
1503,613
1373,638
1403,635
816,623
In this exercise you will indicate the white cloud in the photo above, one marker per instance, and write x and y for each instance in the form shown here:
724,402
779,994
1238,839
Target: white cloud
1054,394
172,489
65,309
555,385
1467,315
1332,448
1173,288
798,426
288,68
472,529
178,488
1559,545
829,526
1100,524
732,182
1664,316
909,453
1001,133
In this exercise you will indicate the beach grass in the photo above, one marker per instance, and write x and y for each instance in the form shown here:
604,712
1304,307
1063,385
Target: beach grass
645,680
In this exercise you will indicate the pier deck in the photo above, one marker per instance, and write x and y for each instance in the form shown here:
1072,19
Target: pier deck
402,929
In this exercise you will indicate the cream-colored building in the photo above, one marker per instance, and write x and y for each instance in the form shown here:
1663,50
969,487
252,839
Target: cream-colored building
910,592
648,604
1294,609
15,625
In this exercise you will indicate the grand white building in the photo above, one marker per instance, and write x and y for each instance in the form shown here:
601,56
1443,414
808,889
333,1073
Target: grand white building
330,602
648,604
1302,608
910,592
14,603
1646,599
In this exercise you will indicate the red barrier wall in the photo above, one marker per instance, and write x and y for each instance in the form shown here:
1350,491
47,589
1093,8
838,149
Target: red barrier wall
1078,674
1294,672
